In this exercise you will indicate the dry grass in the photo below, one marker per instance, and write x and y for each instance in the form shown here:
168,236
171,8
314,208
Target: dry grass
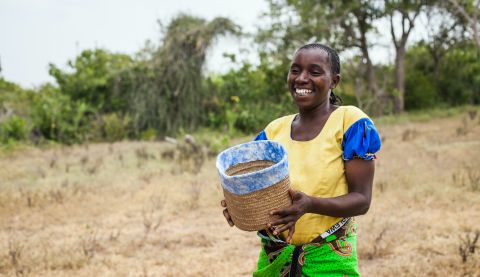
124,210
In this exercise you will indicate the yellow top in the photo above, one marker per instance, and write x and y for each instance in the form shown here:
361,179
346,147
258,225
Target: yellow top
316,166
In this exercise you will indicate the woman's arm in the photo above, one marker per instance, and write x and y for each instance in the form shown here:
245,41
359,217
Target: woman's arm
359,174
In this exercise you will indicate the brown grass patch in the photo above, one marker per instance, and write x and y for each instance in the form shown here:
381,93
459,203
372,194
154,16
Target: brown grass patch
124,209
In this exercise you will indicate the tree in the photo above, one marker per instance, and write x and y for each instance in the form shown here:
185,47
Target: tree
460,76
469,10
89,78
341,24
14,100
356,22
443,33
408,10
420,79
56,117
164,88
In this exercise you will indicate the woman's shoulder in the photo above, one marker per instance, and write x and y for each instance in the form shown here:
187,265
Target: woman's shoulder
281,120
360,137
352,114
280,124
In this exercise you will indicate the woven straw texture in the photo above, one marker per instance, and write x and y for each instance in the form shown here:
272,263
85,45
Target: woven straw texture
250,212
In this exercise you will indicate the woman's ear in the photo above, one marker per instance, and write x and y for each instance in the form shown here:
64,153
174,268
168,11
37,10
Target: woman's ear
335,81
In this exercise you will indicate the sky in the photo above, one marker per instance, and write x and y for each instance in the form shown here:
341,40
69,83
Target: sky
34,33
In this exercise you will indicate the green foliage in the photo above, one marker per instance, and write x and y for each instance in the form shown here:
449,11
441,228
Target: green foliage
162,89
15,104
420,88
420,91
214,141
90,78
247,122
219,144
14,100
56,117
352,88
149,134
14,128
8,87
165,90
250,97
456,81
115,127
460,76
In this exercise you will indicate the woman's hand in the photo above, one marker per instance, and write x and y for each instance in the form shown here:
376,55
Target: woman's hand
301,204
226,214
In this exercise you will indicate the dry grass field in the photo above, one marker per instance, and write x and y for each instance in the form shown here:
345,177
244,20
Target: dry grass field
125,209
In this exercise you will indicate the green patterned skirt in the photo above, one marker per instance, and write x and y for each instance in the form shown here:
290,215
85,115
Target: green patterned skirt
335,255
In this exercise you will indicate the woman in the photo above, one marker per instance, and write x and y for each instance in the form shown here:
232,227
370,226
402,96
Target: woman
331,167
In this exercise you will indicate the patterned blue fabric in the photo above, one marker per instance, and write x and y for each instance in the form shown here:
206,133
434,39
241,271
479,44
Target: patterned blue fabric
261,136
361,140
253,151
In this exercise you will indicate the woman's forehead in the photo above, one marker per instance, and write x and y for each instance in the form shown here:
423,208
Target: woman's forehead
311,55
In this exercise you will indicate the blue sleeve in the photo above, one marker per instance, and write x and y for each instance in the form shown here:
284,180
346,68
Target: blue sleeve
261,136
361,141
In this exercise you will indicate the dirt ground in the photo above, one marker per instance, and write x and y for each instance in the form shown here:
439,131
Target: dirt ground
124,209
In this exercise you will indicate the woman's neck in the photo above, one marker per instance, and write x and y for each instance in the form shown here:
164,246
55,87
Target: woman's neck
317,113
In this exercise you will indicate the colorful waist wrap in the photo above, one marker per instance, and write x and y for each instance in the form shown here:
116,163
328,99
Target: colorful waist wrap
333,256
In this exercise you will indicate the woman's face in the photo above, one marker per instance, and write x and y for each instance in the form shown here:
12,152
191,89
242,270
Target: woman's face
310,78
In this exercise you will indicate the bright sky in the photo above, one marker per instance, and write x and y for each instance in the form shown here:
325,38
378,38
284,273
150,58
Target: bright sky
34,33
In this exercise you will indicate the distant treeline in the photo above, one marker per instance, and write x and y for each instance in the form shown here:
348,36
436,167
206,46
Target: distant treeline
161,90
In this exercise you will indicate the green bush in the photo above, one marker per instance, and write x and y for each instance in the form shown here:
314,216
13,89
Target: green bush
459,81
115,127
421,90
14,128
348,99
56,117
246,122
248,98
90,78
150,134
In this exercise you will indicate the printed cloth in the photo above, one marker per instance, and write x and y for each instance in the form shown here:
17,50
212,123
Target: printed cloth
333,256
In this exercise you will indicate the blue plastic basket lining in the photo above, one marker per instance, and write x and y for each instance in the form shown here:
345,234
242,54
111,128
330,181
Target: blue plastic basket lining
253,151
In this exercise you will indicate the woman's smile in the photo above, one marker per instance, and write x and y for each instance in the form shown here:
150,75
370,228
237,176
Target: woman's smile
302,92
310,79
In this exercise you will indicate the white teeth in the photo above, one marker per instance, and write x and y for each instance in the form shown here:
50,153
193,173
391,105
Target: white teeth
302,92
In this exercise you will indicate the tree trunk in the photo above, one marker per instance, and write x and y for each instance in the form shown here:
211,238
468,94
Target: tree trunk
372,87
371,78
407,24
399,103
471,18
476,35
436,69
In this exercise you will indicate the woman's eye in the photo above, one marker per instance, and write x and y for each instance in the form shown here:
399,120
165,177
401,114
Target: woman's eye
293,70
316,73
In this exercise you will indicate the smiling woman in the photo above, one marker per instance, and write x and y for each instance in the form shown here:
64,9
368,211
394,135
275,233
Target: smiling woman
330,152
312,77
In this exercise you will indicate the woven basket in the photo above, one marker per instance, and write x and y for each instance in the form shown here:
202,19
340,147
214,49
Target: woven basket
253,188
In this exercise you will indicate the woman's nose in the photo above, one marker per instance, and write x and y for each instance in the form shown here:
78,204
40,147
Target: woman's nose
302,77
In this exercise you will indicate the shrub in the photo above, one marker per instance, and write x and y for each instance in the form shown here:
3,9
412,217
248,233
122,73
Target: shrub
115,127
420,86
149,134
14,128
56,117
